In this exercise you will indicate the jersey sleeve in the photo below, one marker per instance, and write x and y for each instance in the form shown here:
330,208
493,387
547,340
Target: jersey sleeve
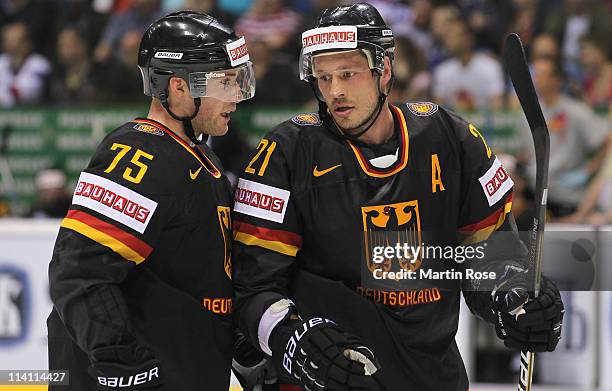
119,208
486,187
267,236
485,217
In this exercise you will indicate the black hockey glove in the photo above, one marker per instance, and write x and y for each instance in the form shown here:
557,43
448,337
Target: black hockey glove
252,369
525,323
125,367
318,355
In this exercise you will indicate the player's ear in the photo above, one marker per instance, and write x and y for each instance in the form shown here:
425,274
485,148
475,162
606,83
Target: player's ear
177,86
385,78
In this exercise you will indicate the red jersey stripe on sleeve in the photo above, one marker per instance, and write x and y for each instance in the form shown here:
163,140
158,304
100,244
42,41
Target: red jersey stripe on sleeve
123,243
481,230
281,241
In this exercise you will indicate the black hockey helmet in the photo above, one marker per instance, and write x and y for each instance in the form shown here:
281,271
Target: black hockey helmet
191,45
349,27
199,49
345,28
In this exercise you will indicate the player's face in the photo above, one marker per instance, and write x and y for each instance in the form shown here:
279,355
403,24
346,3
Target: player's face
213,117
348,87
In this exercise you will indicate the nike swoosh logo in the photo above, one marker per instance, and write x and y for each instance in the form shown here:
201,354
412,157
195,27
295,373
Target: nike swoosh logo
194,175
318,173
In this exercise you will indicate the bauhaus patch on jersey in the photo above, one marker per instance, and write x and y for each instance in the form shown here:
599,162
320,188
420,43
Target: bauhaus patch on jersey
259,200
495,182
114,201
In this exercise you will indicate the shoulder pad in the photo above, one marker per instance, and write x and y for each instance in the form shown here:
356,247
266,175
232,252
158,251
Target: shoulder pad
307,119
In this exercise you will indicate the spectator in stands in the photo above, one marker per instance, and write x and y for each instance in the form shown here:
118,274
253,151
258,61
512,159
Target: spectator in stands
235,7
408,20
576,133
88,17
544,45
597,67
120,82
527,20
487,20
412,77
138,16
469,79
72,82
209,7
278,81
23,73
52,195
316,9
38,16
270,21
576,19
441,18
596,205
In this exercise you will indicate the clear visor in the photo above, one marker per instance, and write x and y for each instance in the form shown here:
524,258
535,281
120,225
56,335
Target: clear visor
375,55
228,85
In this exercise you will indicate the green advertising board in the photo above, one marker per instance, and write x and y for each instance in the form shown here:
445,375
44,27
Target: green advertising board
66,138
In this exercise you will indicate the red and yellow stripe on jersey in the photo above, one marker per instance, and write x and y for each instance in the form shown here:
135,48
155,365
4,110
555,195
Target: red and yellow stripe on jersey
121,242
403,153
477,232
281,241
206,163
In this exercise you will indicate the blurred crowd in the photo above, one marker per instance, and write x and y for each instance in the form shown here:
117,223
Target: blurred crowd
84,52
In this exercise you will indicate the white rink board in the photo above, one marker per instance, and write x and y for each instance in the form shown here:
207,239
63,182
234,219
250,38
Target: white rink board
25,251
605,363
574,361
605,308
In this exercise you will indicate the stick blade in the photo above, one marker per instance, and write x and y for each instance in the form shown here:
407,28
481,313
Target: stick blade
516,64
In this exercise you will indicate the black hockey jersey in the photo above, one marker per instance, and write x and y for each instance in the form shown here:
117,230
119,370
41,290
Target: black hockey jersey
143,256
312,208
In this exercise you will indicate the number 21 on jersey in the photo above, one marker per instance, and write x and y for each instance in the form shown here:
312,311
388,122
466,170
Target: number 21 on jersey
264,145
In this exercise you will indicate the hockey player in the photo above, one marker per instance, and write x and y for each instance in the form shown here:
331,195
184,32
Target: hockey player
324,191
141,271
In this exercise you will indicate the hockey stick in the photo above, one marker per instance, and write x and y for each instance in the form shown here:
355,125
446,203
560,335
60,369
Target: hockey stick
516,64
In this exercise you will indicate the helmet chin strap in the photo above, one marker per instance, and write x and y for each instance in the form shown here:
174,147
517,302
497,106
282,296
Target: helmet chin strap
324,112
186,120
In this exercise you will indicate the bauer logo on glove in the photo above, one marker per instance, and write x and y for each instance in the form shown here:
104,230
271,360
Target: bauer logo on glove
525,323
318,355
